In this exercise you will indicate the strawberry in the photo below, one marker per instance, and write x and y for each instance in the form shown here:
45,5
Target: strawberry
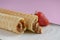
43,21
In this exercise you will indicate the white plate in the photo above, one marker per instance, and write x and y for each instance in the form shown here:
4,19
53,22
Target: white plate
51,32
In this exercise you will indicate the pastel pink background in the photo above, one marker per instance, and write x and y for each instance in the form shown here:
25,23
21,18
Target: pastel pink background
51,8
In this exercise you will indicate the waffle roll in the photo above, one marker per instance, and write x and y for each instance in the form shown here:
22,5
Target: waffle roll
12,23
30,20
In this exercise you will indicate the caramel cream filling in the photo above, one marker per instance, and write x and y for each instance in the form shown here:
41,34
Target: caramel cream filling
21,26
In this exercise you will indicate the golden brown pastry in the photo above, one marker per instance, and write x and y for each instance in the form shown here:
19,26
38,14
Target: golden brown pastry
31,20
12,23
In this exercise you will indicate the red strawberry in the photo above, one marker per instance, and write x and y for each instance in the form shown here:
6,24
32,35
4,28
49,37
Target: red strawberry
43,21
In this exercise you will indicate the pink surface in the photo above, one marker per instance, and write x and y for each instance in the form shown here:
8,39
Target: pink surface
51,8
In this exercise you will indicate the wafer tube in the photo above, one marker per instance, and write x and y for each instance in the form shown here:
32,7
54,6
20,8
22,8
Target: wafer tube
12,23
31,20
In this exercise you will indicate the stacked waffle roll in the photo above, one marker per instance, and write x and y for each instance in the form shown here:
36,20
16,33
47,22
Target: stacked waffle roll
18,22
